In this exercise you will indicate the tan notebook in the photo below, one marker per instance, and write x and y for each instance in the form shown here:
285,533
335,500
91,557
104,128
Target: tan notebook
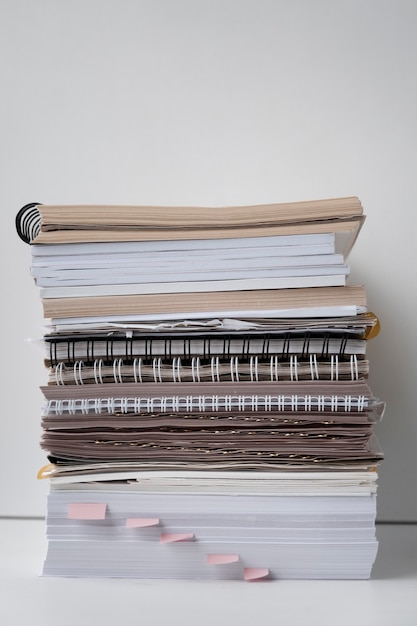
209,303
39,223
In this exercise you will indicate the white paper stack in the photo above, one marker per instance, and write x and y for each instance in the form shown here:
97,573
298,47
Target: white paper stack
216,526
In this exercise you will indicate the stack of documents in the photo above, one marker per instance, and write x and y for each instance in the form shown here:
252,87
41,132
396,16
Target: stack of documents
207,412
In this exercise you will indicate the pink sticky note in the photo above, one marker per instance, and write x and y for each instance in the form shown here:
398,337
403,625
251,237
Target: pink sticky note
86,510
222,559
255,573
172,537
141,522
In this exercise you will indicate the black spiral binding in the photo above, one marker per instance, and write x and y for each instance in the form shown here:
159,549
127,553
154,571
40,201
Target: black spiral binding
147,352
305,351
28,222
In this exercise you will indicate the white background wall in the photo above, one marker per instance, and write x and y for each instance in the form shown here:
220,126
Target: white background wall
212,102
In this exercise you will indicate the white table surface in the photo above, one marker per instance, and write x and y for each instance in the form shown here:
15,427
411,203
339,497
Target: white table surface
389,598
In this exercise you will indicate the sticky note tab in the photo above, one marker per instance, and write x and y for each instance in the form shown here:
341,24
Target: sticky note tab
172,537
255,573
141,522
222,559
86,510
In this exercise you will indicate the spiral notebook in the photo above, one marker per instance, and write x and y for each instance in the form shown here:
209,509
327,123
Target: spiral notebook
38,223
300,352
282,422
213,369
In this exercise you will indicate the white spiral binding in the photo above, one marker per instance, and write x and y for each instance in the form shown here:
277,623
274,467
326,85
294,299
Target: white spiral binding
195,369
314,370
253,368
234,369
334,367
273,368
98,364
58,374
156,369
137,370
348,403
333,404
214,367
293,368
78,376
177,373
203,404
117,370
176,369
308,404
354,367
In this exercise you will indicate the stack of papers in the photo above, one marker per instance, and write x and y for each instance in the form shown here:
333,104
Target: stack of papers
207,413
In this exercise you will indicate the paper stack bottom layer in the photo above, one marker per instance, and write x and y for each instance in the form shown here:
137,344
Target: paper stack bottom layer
120,530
